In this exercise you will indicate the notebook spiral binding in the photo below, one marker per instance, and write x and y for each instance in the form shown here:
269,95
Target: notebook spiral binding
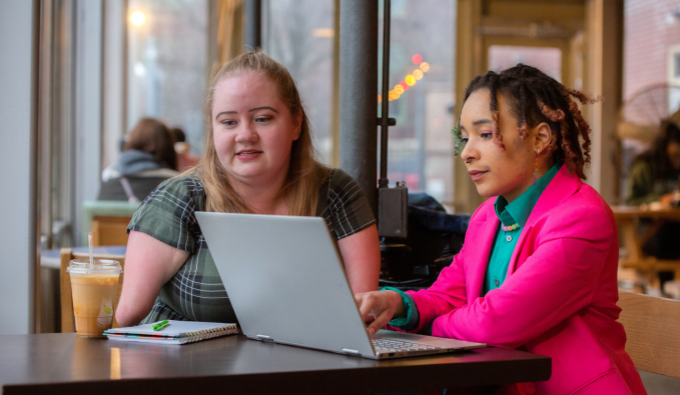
210,333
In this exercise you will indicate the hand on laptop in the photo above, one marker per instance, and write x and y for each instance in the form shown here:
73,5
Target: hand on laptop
378,308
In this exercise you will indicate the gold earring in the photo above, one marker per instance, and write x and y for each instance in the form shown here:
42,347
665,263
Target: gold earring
536,166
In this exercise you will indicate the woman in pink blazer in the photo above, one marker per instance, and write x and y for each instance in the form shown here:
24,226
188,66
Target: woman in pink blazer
554,291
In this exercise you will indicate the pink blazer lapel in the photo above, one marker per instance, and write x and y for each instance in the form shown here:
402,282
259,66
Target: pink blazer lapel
562,186
479,242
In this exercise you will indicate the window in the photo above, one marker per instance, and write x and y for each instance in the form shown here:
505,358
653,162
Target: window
651,76
299,34
546,59
673,78
420,146
167,55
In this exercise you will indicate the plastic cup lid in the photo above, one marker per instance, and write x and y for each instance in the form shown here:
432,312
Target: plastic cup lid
82,266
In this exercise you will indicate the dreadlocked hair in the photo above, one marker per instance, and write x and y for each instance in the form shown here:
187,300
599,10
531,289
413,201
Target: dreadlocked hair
535,97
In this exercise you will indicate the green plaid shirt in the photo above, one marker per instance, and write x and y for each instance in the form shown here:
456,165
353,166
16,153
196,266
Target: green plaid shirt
196,291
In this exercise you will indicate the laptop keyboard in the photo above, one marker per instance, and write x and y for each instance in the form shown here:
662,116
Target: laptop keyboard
400,346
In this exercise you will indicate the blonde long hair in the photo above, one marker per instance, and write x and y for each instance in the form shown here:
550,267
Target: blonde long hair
305,175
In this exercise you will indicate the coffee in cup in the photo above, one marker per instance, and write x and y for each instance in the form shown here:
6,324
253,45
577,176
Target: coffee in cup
93,287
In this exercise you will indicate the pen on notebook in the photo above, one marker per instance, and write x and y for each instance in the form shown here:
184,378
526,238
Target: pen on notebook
161,325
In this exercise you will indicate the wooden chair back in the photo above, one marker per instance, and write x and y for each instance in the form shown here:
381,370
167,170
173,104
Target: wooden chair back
653,332
67,317
103,214
109,230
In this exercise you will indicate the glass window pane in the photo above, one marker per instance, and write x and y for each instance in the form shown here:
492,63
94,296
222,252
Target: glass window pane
548,60
651,76
167,54
299,34
421,81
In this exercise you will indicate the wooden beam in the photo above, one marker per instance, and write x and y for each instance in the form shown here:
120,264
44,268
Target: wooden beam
544,10
468,66
603,76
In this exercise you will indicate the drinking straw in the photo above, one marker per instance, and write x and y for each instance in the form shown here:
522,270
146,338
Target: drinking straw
89,241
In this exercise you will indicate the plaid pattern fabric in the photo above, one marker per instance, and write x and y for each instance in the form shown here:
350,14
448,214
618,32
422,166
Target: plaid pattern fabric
196,291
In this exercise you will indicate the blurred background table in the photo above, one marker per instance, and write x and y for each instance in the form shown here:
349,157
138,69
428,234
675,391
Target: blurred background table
51,258
645,267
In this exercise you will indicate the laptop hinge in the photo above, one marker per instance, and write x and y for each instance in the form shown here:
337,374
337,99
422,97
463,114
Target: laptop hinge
351,352
264,338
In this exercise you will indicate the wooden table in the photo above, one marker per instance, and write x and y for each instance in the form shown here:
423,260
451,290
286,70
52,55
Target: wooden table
61,363
627,218
52,258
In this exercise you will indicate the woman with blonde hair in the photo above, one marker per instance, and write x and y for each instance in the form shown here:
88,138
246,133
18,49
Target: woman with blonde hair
260,160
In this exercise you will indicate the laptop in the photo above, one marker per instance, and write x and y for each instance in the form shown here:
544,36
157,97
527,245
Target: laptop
287,284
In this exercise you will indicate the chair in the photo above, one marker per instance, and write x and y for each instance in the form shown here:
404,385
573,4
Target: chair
109,231
107,220
67,317
653,337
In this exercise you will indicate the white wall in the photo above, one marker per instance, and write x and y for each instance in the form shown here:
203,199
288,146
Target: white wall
18,163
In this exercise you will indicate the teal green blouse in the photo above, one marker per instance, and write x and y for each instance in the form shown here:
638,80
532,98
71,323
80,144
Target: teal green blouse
516,212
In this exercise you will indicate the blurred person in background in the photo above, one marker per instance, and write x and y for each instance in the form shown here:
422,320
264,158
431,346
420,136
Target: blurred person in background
654,173
185,160
653,180
148,158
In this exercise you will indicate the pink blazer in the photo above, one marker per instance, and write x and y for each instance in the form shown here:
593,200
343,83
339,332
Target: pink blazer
559,297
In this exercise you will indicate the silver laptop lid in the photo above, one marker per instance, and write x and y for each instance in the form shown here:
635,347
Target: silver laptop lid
285,279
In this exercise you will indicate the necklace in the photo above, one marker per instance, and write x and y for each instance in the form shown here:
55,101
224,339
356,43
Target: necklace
509,227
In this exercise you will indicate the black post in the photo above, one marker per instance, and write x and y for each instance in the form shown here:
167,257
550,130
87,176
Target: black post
383,182
253,11
359,93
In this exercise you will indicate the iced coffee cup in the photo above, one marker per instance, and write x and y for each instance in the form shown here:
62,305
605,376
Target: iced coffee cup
94,293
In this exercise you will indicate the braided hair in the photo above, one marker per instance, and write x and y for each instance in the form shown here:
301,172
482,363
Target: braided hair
535,97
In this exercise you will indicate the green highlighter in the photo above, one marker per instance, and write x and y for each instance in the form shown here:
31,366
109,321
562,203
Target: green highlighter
161,325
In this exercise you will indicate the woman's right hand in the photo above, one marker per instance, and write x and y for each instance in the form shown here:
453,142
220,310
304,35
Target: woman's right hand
378,308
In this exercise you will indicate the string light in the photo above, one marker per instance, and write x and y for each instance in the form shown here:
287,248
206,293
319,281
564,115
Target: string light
409,80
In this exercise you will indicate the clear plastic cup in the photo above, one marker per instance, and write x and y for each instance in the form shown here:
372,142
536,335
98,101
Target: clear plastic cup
94,293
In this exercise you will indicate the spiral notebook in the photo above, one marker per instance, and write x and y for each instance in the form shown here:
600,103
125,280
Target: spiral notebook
178,332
